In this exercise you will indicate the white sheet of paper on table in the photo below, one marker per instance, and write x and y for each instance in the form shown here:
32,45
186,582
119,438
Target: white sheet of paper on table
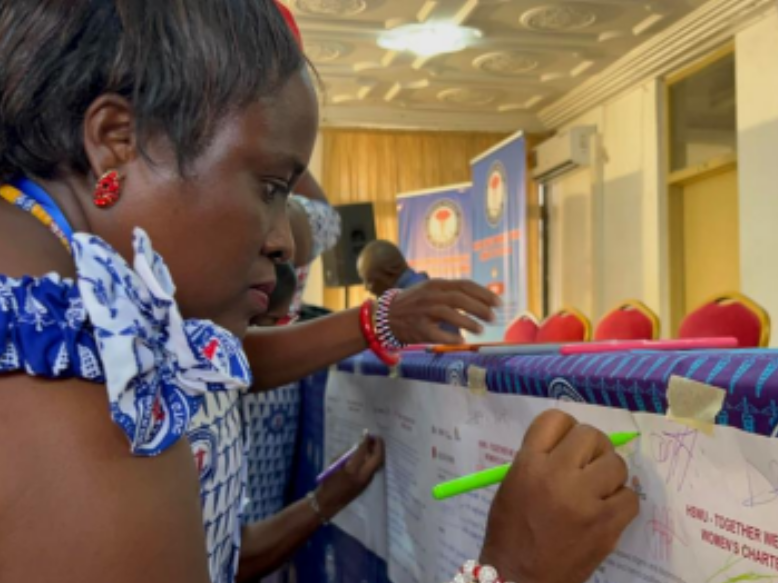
709,512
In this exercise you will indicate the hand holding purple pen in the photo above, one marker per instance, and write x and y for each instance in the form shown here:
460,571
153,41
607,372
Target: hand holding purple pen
344,459
349,476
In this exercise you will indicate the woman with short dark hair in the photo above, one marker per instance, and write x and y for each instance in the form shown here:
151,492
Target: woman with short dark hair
132,130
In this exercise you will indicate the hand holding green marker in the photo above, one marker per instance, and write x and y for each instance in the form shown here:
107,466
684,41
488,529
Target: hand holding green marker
496,475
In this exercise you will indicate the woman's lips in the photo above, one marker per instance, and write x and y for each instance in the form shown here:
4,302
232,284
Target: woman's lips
259,296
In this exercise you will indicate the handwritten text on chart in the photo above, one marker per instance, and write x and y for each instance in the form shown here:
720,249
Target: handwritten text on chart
675,451
663,532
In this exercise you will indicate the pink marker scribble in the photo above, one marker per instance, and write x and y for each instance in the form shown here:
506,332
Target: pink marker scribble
662,534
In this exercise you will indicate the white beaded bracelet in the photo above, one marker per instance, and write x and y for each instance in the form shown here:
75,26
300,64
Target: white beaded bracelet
472,572
313,502
382,327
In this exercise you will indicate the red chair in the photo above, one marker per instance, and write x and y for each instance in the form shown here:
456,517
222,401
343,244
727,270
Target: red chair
567,325
631,320
729,315
523,330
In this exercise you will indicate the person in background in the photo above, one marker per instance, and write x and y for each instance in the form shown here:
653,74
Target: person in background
310,312
270,418
382,267
270,422
279,305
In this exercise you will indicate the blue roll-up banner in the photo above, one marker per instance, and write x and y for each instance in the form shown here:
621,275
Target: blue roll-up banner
499,245
436,231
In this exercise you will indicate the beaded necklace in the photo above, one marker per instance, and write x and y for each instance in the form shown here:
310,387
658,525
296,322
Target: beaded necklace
31,198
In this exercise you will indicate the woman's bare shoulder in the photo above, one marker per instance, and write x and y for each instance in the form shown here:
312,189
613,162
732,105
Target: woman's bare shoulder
28,248
74,494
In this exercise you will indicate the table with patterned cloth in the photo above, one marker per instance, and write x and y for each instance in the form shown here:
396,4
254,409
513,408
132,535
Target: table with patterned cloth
635,381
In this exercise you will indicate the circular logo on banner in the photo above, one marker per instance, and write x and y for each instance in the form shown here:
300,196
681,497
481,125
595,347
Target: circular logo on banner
443,224
496,194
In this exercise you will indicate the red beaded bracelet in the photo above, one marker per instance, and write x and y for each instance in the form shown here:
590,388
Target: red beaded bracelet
366,323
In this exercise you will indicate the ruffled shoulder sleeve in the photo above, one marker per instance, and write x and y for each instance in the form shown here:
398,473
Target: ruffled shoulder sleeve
120,327
44,329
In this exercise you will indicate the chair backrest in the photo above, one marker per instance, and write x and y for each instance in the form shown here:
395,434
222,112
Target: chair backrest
523,330
729,315
631,320
567,325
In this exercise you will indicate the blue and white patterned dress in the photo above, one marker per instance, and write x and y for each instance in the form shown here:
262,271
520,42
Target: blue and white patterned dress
216,438
165,377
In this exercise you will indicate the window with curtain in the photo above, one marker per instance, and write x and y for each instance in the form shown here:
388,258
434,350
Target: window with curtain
375,165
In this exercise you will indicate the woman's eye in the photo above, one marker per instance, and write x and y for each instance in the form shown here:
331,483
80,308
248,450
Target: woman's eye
271,190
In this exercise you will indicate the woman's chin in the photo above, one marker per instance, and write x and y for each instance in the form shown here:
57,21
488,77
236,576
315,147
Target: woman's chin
238,328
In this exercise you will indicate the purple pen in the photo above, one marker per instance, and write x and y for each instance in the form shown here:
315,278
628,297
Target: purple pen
341,461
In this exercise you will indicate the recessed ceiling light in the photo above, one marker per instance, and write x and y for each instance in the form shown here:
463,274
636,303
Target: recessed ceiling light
427,40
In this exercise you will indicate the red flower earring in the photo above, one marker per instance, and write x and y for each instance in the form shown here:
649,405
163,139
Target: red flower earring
108,190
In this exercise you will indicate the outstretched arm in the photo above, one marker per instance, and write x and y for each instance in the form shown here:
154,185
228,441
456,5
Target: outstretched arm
283,355
286,354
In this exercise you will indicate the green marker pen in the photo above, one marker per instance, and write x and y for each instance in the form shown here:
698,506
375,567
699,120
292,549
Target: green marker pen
496,475
620,439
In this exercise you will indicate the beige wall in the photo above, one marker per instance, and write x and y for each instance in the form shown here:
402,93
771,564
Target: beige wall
757,71
606,220
610,240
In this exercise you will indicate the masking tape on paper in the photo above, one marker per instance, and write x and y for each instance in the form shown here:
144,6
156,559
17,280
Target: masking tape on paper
476,379
694,404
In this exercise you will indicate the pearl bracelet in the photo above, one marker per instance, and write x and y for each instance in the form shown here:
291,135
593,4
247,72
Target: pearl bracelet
313,502
472,572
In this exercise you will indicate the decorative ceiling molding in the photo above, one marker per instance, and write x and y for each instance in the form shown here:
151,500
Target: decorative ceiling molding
347,115
559,18
648,24
467,97
529,104
582,68
426,10
506,63
324,51
610,35
687,40
532,53
464,14
331,8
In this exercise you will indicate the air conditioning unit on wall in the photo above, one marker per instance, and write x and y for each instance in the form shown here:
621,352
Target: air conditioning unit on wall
565,152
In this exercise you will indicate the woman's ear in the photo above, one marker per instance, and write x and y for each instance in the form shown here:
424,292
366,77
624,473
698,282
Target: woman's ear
109,134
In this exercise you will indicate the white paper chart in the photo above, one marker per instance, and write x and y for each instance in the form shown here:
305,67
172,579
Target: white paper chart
709,510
